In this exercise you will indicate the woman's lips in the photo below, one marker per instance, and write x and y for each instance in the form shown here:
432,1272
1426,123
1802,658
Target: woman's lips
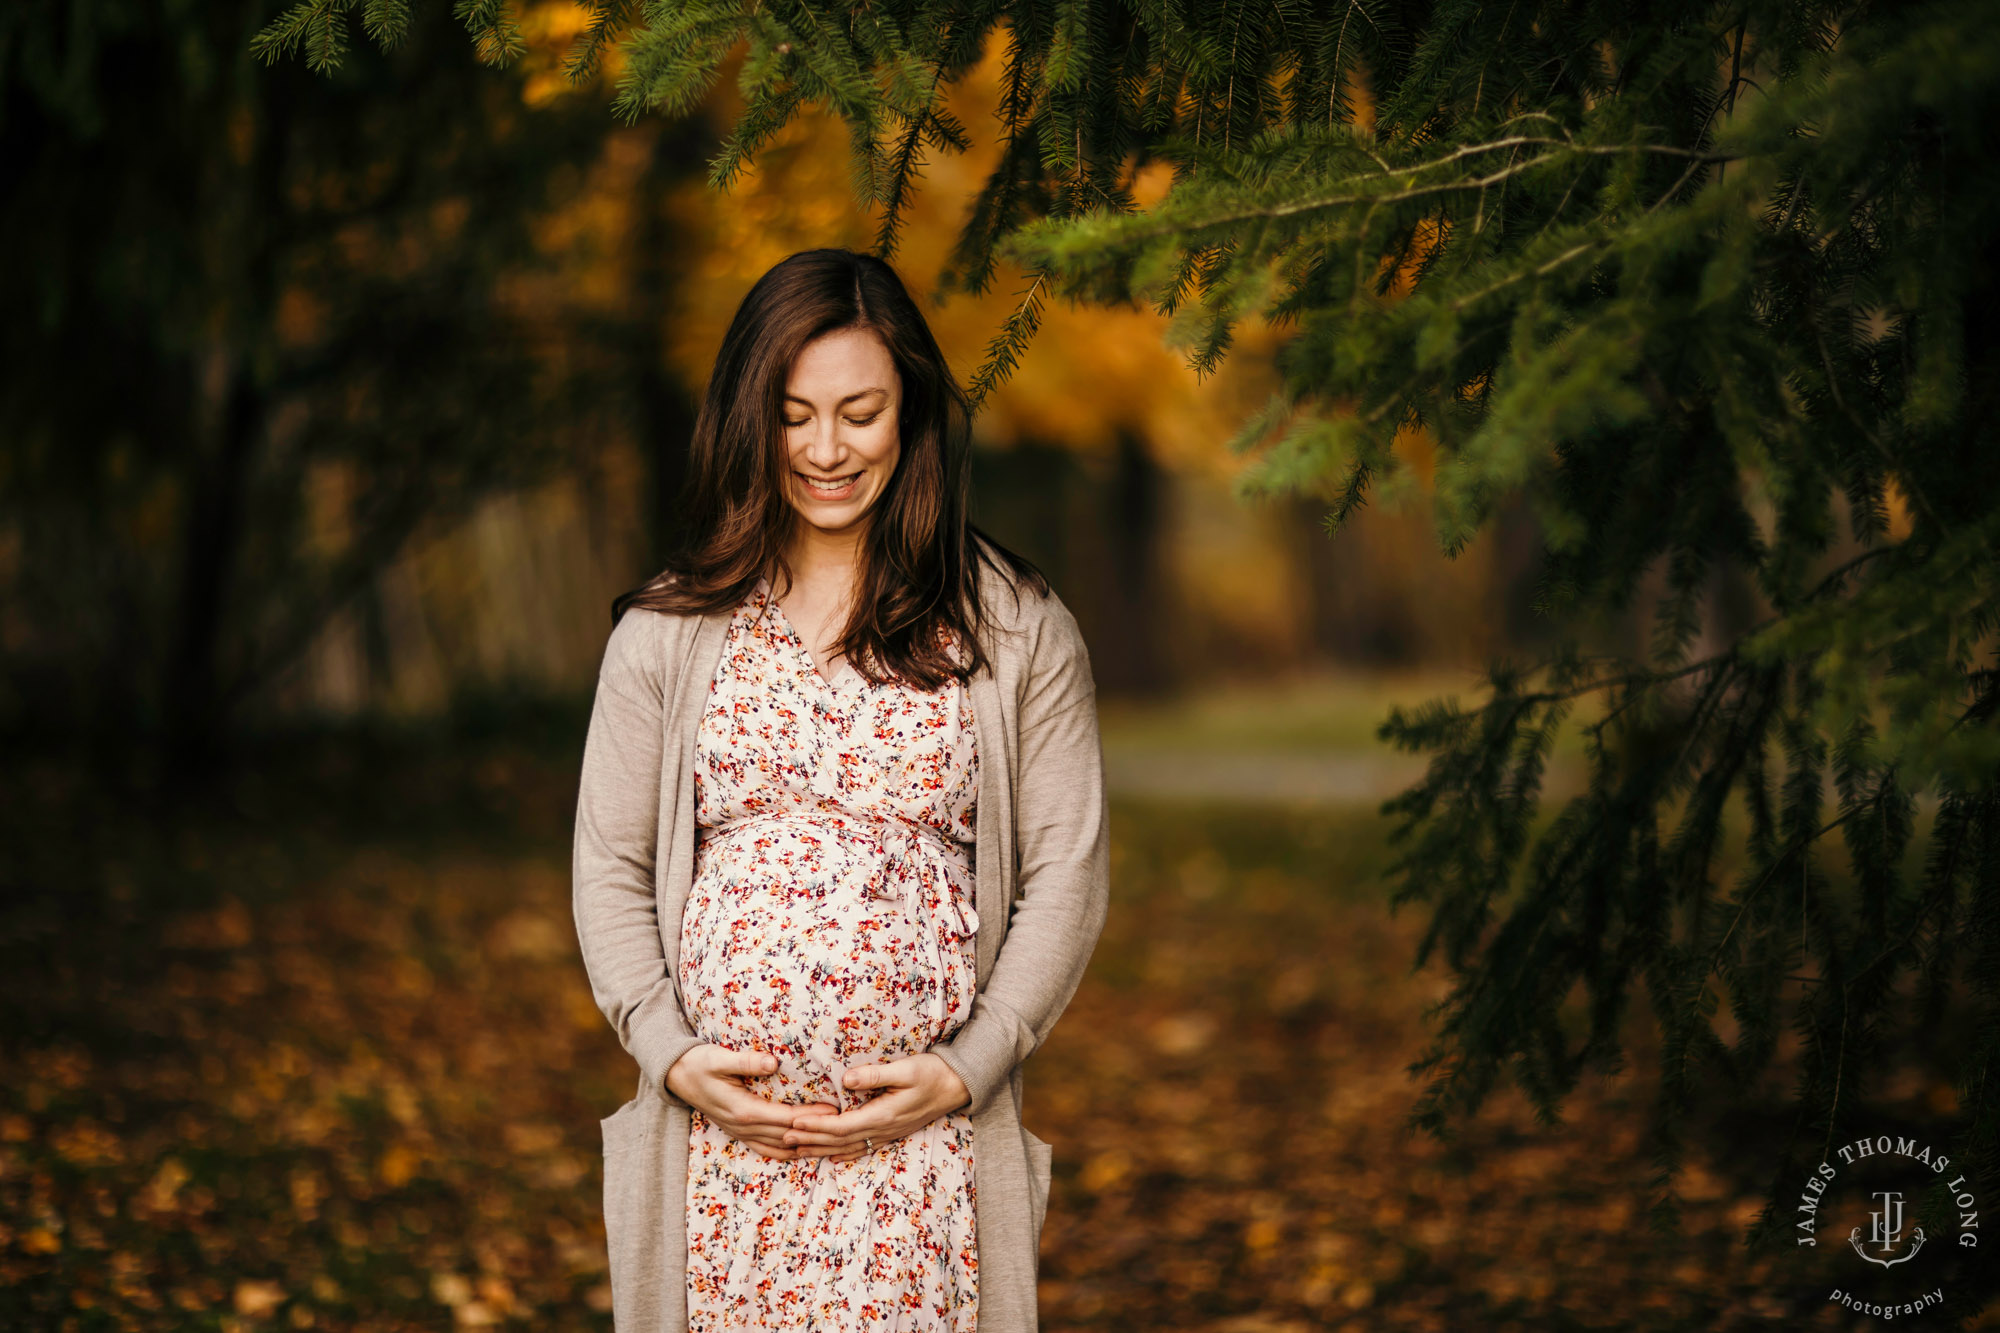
841,492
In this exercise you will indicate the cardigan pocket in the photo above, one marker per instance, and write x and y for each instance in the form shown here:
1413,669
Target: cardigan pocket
631,1221
1040,1158
626,1128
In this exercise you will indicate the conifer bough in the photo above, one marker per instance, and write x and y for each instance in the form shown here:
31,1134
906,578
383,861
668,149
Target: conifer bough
1706,284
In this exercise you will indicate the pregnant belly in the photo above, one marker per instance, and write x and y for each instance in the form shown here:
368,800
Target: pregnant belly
783,950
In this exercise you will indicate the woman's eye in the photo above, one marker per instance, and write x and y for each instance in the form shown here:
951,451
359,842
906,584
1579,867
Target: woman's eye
864,421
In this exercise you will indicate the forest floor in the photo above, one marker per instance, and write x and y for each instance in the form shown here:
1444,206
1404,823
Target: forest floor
318,1053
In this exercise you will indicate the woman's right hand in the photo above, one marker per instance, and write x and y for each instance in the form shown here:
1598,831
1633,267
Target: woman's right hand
710,1078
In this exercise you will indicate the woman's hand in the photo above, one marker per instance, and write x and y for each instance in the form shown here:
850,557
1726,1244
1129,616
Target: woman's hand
710,1079
922,1087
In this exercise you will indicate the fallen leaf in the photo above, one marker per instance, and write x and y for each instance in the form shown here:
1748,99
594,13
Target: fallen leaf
254,1300
450,1289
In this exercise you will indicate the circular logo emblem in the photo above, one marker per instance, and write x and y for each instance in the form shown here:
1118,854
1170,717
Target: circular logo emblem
1887,1223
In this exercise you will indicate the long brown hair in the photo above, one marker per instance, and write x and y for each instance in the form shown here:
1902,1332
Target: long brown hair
919,575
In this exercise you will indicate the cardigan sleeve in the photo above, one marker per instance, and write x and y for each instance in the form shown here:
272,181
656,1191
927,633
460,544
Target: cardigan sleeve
1062,832
616,851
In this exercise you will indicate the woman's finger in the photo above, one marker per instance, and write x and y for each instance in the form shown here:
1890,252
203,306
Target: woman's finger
902,1106
749,1109
852,1133
901,1073
777,1154
841,1154
743,1063
849,1134
767,1137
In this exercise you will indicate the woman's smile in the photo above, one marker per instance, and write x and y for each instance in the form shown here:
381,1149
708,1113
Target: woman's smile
834,488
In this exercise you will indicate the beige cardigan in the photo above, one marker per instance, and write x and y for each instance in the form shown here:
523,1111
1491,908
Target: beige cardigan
1042,868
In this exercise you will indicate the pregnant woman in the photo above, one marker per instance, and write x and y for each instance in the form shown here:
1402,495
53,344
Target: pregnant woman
841,848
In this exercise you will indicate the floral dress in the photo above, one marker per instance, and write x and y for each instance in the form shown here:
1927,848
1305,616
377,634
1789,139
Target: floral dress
831,924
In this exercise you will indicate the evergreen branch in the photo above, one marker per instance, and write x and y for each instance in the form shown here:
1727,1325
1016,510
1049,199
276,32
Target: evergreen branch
1568,144
387,22
1466,302
319,26
1839,1072
903,170
1004,352
1861,427
1798,845
1633,681
496,37
992,214
768,111
1171,222
673,62
607,19
1338,65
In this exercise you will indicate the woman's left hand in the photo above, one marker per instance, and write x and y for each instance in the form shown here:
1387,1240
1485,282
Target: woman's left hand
921,1088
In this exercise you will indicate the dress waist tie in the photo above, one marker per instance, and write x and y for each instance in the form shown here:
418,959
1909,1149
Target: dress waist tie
916,866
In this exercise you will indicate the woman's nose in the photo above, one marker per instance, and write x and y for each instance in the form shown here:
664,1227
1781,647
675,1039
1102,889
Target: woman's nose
826,451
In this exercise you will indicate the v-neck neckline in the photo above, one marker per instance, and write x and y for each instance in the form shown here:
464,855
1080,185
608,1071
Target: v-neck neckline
840,673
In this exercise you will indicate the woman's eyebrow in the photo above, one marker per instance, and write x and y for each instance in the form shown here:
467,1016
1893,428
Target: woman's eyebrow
794,398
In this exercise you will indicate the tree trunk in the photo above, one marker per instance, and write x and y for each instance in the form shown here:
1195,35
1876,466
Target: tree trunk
666,409
1132,603
211,541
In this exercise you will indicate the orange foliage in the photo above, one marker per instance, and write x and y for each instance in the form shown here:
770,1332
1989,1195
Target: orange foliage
1090,371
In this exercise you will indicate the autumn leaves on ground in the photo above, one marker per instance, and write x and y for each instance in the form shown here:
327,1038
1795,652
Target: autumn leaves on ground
318,1053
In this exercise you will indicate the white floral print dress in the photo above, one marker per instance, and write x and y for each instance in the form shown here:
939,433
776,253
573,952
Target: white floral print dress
830,923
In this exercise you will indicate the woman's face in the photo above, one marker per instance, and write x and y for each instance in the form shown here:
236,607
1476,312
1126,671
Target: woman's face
840,415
